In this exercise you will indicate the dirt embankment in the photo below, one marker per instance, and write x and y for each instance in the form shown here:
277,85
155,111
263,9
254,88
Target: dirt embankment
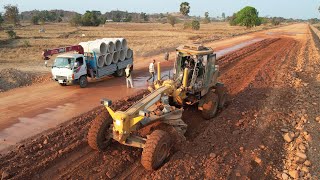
244,141
13,78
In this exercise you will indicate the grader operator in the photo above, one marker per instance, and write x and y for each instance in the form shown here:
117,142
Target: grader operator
194,83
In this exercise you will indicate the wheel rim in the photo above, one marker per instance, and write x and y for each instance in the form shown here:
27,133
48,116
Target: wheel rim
82,81
162,153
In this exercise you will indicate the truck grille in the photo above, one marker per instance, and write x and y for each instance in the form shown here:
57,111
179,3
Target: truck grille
61,77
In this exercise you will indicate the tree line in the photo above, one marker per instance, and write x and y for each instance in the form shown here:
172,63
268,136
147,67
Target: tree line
248,16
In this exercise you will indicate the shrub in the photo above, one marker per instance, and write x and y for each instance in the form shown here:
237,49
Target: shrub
275,21
26,43
195,25
35,20
76,20
11,34
172,20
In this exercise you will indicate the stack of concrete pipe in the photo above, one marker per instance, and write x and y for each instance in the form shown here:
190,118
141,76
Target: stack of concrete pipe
108,50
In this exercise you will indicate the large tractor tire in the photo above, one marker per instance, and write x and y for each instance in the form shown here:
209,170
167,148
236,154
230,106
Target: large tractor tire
156,150
98,135
210,105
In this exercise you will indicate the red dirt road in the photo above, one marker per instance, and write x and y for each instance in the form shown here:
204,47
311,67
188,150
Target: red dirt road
28,111
273,86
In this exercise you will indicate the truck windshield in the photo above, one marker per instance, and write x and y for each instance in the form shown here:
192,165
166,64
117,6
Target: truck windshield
62,62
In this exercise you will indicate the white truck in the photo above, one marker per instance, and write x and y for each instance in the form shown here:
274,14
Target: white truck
75,66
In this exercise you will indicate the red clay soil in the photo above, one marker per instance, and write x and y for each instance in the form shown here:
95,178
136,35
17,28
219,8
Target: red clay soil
243,141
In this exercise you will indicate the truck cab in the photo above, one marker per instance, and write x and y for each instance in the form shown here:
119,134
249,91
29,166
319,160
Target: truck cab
69,69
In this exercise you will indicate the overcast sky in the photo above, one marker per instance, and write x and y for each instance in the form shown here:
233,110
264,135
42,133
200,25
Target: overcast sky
303,9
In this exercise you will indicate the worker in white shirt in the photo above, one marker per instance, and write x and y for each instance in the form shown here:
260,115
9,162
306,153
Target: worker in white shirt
128,76
151,71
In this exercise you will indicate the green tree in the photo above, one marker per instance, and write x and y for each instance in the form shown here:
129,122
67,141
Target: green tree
1,19
185,8
144,16
35,20
90,18
172,20
248,16
128,18
223,16
75,20
206,18
117,17
12,14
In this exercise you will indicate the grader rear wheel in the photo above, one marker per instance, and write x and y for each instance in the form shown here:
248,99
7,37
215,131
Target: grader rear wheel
210,106
156,150
98,137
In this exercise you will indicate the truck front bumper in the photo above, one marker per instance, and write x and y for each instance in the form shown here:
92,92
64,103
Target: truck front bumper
65,81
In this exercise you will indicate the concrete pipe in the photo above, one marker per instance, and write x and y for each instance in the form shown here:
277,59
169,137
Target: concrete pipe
123,53
116,57
124,43
111,47
109,59
101,61
117,44
111,44
129,54
86,46
98,47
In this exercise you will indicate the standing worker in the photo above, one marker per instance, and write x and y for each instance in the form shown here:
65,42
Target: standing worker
128,76
151,70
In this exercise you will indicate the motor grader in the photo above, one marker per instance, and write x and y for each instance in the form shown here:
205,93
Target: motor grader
194,83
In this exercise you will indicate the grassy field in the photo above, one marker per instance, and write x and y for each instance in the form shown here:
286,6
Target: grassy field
146,39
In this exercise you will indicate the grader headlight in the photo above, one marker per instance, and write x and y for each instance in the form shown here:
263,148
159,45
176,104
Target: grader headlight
118,122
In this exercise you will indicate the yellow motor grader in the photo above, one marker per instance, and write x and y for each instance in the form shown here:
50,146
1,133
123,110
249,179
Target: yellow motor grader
194,82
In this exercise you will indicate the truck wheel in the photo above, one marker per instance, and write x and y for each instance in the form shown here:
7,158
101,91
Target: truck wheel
156,150
210,106
98,135
83,81
119,73
62,84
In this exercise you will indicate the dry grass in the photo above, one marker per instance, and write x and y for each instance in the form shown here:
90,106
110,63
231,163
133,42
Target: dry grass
145,39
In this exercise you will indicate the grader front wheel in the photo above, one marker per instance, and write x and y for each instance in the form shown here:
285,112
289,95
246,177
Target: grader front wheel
98,137
156,150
